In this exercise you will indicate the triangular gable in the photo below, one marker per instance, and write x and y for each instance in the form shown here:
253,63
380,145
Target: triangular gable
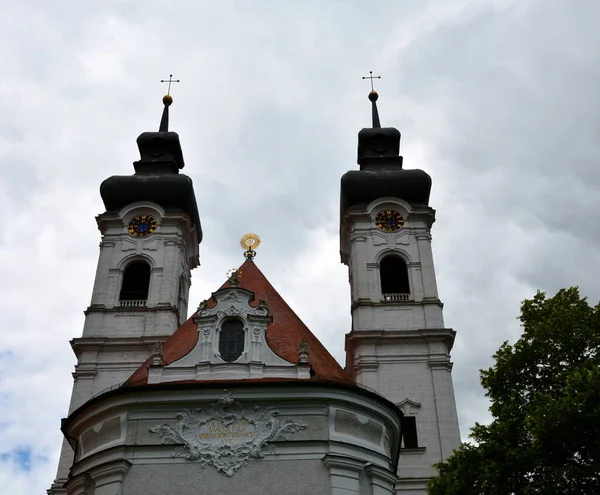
284,334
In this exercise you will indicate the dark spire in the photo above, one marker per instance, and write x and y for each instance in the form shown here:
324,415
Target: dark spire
373,97
160,152
164,120
167,100
381,174
157,178
378,147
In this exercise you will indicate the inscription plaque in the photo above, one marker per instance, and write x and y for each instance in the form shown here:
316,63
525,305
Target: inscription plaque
218,433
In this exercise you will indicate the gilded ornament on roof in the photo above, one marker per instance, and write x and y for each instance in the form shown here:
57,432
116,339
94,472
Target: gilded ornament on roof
249,243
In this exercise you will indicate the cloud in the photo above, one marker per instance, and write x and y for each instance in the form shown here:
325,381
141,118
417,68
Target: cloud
496,100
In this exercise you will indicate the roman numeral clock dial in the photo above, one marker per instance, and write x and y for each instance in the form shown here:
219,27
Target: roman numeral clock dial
389,220
142,225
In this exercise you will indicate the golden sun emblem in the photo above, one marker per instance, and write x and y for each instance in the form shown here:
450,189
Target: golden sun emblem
249,243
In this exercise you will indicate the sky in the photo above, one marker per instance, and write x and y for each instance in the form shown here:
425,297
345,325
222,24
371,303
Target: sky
495,99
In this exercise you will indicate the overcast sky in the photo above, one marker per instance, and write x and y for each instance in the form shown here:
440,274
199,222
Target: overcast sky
496,100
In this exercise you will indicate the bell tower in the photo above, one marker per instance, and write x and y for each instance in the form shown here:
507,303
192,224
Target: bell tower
398,344
150,235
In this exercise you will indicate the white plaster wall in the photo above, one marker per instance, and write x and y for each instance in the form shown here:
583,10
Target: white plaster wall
418,369
324,457
260,477
402,349
116,341
366,246
166,251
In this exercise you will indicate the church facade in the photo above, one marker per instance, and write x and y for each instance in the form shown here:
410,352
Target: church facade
242,397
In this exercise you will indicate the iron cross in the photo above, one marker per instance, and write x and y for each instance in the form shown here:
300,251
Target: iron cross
371,77
171,80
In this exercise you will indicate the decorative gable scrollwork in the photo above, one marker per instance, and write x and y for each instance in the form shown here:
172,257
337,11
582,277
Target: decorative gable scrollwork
233,302
225,435
230,311
232,343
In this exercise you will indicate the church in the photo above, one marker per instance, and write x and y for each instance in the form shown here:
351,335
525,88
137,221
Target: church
241,397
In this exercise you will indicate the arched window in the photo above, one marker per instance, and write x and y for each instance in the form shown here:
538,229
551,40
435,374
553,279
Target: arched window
394,278
136,282
231,340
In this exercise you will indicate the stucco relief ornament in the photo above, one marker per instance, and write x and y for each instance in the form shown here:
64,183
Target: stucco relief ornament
224,435
203,308
234,277
230,311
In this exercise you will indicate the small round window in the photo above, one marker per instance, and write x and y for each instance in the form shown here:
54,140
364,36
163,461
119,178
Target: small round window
231,340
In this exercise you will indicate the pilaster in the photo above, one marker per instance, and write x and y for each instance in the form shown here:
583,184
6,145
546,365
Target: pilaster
344,473
360,288
445,405
108,478
381,481
78,485
425,254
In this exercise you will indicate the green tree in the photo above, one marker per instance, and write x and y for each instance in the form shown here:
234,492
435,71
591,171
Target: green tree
545,403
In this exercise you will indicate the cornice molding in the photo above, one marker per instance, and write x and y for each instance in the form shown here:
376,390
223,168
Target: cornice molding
445,335
424,302
144,344
414,451
440,364
160,307
367,364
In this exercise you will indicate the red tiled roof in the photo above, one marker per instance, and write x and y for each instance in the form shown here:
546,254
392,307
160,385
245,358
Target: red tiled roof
284,333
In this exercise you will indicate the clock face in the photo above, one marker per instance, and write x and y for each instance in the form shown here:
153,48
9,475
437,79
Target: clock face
389,220
142,225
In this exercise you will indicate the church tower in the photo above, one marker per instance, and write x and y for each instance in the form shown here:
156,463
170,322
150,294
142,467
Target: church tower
150,234
398,344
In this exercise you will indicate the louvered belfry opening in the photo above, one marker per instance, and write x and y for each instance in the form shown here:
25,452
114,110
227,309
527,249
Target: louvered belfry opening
394,276
136,282
231,339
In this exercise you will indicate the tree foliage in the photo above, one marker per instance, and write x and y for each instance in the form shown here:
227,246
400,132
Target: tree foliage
545,403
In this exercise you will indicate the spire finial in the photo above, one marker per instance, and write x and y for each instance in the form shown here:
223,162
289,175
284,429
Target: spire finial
371,77
373,97
249,242
167,100
170,80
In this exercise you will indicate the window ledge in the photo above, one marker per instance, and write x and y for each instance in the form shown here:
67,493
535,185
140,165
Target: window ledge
413,451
